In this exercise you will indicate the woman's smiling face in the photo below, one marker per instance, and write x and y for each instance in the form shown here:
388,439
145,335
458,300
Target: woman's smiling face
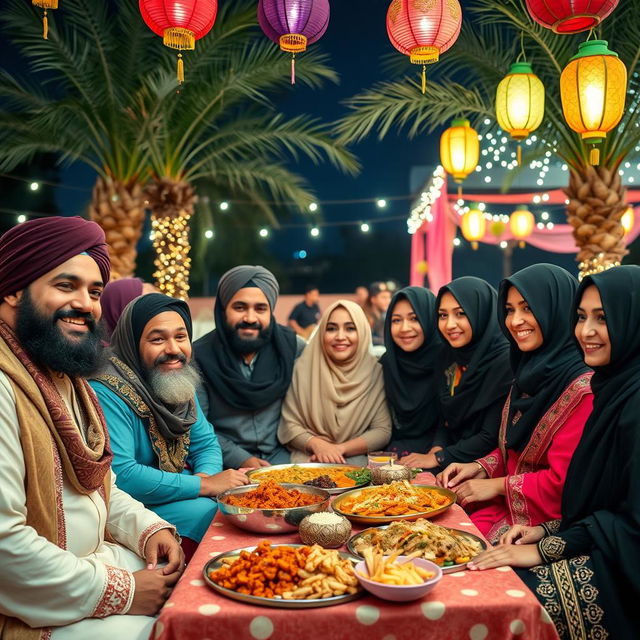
521,323
591,329
453,322
406,330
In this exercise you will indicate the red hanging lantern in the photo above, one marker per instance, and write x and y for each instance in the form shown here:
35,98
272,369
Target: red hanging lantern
570,16
179,22
424,29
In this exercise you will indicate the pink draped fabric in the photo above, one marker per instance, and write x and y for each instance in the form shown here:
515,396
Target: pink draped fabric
433,242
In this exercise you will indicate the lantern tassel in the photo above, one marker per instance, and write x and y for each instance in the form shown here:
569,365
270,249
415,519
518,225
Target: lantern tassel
522,244
180,69
424,79
45,26
459,192
519,155
594,156
293,68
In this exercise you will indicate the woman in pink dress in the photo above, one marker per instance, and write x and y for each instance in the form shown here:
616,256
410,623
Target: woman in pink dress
521,481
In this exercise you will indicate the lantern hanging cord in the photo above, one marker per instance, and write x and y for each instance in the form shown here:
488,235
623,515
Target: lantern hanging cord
522,55
592,35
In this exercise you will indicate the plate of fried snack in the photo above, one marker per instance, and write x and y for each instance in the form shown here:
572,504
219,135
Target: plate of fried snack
287,576
395,501
334,478
450,549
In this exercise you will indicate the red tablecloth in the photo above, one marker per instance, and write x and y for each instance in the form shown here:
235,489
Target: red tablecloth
465,605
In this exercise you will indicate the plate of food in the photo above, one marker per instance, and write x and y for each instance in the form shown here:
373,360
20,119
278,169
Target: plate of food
334,478
286,576
450,549
396,501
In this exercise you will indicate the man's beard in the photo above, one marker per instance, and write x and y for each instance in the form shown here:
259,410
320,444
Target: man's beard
173,387
247,345
47,346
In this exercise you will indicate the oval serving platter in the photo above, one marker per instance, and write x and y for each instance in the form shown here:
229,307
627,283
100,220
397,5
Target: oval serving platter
278,603
378,519
351,545
253,474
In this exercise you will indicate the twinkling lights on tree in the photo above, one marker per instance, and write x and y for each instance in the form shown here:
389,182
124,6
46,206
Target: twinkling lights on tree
422,211
173,264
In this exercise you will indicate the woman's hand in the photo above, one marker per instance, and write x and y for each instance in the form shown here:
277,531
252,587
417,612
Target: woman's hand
522,534
524,556
458,472
323,451
422,460
479,490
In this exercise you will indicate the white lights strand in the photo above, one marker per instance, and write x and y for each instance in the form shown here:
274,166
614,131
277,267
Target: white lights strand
422,211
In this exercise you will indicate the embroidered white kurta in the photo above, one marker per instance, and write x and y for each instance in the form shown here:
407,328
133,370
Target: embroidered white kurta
48,586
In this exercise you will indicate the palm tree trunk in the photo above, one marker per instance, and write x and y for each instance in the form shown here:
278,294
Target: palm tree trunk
119,209
172,203
597,201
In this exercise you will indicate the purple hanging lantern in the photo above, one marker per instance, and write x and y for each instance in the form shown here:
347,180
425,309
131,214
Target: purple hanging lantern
293,24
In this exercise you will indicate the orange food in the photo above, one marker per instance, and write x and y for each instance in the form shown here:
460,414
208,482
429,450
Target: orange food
270,495
300,475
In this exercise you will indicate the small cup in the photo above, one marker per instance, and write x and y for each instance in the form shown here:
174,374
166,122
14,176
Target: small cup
381,458
387,474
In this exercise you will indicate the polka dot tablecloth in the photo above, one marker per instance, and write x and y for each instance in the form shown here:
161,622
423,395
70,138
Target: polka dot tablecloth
465,605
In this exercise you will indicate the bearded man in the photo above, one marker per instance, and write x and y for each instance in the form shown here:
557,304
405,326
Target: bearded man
147,392
247,363
74,549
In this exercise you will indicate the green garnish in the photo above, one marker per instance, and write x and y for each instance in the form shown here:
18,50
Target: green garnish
361,476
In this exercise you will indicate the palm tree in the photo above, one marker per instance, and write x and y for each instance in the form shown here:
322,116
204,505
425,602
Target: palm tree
103,93
464,84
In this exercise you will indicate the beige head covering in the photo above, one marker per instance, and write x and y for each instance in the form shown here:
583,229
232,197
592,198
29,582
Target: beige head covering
336,401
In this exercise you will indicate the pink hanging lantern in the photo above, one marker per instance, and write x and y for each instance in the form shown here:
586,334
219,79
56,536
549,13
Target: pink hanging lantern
294,24
424,29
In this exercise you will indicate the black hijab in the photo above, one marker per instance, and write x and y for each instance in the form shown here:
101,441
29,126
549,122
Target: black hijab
125,369
542,375
220,364
489,376
410,378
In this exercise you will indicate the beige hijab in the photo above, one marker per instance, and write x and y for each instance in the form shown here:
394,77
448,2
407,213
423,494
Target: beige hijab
335,401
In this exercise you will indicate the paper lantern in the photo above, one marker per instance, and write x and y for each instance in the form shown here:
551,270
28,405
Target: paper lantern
520,102
179,22
459,150
497,228
473,225
628,219
294,24
45,4
570,16
424,29
593,89
522,223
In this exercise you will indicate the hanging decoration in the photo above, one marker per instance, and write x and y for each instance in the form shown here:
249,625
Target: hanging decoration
459,151
294,24
497,228
473,225
593,89
628,219
45,4
520,103
570,17
180,23
522,223
424,29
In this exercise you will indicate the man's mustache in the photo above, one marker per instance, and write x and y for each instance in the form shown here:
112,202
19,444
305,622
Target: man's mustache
170,357
248,325
88,316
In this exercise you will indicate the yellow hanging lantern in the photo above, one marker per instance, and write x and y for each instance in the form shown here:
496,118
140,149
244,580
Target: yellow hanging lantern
497,228
522,223
459,150
628,219
473,225
45,4
520,102
593,89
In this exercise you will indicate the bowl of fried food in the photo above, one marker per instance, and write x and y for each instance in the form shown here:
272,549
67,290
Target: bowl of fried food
270,507
397,578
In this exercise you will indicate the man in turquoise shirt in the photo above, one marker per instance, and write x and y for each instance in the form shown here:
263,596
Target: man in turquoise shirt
166,454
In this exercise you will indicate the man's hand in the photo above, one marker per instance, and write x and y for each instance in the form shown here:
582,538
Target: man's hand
216,484
254,463
163,545
323,451
525,556
458,472
151,591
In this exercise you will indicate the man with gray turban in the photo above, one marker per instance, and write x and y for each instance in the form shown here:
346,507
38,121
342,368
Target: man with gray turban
247,363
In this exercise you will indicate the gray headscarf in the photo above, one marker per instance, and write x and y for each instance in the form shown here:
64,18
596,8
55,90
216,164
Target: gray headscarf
248,275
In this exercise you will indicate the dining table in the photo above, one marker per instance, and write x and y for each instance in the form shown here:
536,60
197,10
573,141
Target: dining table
465,605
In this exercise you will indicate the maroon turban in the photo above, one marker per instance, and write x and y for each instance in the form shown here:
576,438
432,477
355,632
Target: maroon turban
33,248
115,297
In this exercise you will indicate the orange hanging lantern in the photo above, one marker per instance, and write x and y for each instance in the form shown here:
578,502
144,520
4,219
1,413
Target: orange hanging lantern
473,225
593,88
180,23
45,4
522,223
459,150
424,29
